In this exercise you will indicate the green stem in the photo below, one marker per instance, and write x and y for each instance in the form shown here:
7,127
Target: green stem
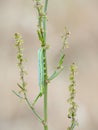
46,85
38,96
45,19
45,7
45,109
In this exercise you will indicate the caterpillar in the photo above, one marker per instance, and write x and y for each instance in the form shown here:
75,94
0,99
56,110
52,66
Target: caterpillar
41,69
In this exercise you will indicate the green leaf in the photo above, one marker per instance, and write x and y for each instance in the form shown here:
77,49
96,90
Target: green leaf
61,61
55,74
21,87
17,94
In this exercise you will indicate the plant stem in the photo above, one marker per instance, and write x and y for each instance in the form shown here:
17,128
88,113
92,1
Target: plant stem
45,19
45,108
46,85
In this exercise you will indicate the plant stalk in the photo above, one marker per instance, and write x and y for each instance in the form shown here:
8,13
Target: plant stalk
45,76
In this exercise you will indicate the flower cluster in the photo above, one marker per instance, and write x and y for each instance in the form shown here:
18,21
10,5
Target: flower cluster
20,59
64,38
73,105
41,18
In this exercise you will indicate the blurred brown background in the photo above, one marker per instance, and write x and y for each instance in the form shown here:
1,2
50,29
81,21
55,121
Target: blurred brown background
81,18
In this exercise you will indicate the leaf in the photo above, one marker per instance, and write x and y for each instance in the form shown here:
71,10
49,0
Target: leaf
39,35
17,94
20,86
55,74
61,60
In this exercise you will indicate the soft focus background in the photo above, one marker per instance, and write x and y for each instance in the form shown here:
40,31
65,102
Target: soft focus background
81,18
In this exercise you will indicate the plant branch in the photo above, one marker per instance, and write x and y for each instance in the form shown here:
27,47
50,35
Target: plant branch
22,85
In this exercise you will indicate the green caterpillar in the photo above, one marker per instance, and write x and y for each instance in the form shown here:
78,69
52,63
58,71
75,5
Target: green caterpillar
41,73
